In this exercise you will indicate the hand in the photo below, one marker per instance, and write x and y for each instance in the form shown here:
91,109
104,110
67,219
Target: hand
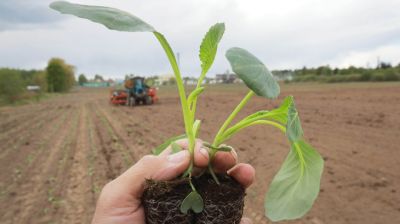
119,201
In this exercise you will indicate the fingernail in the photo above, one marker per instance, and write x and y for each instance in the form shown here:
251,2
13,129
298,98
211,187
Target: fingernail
204,152
178,157
246,221
234,154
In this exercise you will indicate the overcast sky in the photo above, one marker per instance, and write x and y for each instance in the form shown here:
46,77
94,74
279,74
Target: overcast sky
284,34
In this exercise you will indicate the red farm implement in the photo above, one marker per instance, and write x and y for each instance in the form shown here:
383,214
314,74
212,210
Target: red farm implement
136,92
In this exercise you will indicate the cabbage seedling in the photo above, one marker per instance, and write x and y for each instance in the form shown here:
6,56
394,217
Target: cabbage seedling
296,185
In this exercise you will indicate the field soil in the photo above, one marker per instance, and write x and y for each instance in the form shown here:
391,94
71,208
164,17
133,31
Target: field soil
57,154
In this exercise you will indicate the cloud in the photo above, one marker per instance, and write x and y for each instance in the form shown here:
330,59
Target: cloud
283,34
22,14
369,58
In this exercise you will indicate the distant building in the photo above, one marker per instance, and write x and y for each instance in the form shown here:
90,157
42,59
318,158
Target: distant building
111,82
189,81
33,88
283,75
226,78
209,81
163,79
96,84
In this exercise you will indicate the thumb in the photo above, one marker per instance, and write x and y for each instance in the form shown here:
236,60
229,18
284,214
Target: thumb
163,167
246,221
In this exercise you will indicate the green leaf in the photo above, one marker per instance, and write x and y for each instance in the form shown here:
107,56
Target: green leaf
192,201
223,148
159,149
296,185
253,72
193,95
294,131
279,114
175,147
257,114
209,45
196,127
113,19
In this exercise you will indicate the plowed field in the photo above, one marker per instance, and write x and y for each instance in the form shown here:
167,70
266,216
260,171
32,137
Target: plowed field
56,155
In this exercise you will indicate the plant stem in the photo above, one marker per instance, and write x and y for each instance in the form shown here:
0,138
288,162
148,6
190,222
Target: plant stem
236,128
229,120
273,123
188,120
194,103
217,139
191,184
210,169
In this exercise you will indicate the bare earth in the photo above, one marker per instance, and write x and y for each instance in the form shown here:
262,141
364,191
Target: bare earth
56,155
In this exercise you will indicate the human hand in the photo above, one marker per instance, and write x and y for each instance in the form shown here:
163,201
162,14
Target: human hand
120,199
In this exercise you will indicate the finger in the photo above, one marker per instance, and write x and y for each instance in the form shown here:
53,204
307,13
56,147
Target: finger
201,156
224,161
151,167
200,153
243,173
183,143
246,221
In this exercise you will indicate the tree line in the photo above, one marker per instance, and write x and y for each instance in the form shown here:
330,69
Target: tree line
383,72
58,76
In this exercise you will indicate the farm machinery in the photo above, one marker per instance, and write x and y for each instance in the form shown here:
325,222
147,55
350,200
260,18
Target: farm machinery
136,92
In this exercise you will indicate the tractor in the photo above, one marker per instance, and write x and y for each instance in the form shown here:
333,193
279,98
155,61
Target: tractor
136,92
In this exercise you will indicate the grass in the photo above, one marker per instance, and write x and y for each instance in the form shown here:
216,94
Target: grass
52,198
17,174
30,99
3,193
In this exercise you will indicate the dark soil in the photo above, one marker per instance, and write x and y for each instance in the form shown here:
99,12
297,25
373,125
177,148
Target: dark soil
222,203
162,200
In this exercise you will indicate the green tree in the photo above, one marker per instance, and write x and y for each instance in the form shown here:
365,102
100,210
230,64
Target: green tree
172,81
40,79
60,76
385,65
70,76
151,81
390,75
28,75
11,85
186,80
324,70
336,71
98,78
304,70
82,79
